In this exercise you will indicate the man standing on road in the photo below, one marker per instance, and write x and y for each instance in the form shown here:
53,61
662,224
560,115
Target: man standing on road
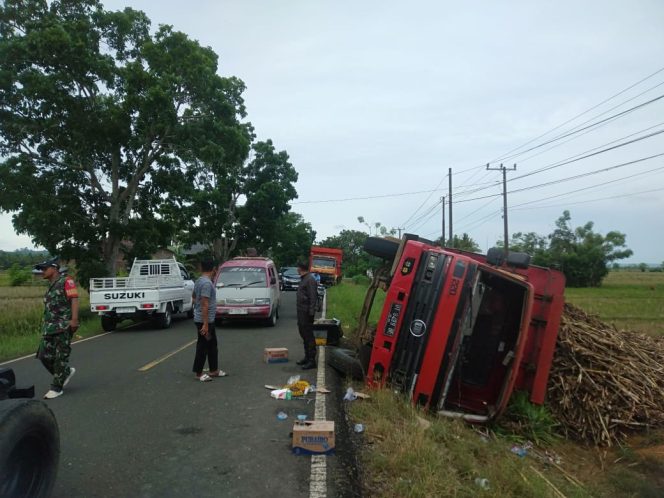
205,310
58,326
307,295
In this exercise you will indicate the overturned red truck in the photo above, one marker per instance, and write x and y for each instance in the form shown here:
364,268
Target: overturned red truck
459,331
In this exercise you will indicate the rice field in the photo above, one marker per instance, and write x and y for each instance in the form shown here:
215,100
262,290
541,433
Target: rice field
21,310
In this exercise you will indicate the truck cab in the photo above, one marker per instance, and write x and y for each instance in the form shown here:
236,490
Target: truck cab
460,331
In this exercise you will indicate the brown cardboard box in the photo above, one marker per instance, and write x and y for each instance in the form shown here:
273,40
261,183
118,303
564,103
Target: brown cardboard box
275,355
314,437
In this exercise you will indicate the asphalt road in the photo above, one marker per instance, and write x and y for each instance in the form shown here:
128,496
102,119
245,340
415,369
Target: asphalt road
160,432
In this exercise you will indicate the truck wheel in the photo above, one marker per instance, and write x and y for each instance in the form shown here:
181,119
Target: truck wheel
29,448
382,248
163,320
346,362
108,323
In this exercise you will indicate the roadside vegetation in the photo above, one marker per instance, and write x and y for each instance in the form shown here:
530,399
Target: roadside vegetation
408,453
20,321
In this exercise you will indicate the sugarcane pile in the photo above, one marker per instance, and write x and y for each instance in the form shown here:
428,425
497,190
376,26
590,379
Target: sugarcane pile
605,383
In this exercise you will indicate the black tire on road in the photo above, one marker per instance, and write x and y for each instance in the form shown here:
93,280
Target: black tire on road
346,362
164,320
381,248
29,448
108,323
272,320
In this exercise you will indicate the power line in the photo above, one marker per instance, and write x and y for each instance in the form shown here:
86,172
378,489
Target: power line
583,189
587,200
502,158
424,202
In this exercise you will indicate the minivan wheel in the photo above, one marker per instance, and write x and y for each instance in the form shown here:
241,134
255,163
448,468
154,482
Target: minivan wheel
272,321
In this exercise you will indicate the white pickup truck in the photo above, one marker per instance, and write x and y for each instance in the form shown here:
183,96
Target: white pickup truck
155,288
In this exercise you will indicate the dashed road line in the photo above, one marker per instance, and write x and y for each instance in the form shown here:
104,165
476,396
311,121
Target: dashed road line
156,362
33,354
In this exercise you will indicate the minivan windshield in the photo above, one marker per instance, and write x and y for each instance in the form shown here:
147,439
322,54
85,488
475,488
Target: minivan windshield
242,276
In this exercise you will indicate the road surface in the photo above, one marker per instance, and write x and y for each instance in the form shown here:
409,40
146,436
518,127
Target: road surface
135,422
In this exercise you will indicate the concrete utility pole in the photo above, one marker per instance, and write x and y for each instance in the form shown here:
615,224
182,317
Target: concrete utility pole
399,230
505,233
442,233
450,197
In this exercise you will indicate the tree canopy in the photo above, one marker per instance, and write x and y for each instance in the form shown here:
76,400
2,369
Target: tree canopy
583,255
103,126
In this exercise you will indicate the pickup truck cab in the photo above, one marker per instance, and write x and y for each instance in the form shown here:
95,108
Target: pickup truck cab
155,288
459,331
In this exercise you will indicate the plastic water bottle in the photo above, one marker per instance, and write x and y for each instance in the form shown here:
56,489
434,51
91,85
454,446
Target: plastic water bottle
482,482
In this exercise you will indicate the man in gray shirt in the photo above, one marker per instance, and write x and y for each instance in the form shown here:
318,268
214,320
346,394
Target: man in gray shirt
205,309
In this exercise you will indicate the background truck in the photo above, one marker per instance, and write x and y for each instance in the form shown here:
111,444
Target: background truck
155,289
326,261
459,331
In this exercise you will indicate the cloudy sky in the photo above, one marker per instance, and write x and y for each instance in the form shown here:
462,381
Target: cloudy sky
374,101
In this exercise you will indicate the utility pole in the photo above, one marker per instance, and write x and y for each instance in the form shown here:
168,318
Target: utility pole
505,233
449,171
442,233
399,230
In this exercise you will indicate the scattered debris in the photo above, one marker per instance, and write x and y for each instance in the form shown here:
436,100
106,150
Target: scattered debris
358,428
422,422
482,482
605,383
282,416
350,395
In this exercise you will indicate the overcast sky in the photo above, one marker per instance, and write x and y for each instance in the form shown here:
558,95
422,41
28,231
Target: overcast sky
377,99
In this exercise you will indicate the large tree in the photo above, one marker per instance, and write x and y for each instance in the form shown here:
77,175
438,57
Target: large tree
241,206
583,255
102,124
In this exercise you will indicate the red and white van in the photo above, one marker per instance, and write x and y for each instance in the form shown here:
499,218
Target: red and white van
248,289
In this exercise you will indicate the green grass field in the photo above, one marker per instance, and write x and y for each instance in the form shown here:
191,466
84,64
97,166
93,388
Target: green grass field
630,300
20,319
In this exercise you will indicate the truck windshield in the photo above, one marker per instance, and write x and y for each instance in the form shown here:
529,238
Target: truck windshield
239,276
324,263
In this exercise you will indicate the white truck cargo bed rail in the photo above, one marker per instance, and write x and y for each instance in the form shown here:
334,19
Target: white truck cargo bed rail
145,274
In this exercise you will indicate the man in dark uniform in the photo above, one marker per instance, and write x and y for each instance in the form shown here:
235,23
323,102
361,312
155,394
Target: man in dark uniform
58,326
307,296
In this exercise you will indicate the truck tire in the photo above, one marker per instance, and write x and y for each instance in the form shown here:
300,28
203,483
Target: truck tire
164,320
108,323
29,448
381,248
346,362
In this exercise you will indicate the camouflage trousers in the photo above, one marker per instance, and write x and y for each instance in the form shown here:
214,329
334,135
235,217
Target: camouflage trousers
54,353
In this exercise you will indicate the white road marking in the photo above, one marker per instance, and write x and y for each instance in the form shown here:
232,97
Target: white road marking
318,478
33,354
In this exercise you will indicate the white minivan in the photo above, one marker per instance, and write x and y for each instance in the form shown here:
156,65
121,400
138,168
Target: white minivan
248,289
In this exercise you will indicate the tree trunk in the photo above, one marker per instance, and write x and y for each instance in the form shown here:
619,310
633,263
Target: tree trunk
111,252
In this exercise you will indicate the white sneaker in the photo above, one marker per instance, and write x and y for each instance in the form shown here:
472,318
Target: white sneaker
53,394
72,371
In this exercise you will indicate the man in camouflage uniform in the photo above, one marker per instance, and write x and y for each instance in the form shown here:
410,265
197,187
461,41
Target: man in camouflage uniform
58,326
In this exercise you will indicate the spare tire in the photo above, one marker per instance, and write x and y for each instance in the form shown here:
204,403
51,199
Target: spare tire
381,247
29,448
346,362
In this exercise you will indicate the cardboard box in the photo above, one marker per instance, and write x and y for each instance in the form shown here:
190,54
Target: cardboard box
314,437
275,355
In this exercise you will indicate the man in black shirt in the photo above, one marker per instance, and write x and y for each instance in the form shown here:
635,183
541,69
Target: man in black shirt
307,296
